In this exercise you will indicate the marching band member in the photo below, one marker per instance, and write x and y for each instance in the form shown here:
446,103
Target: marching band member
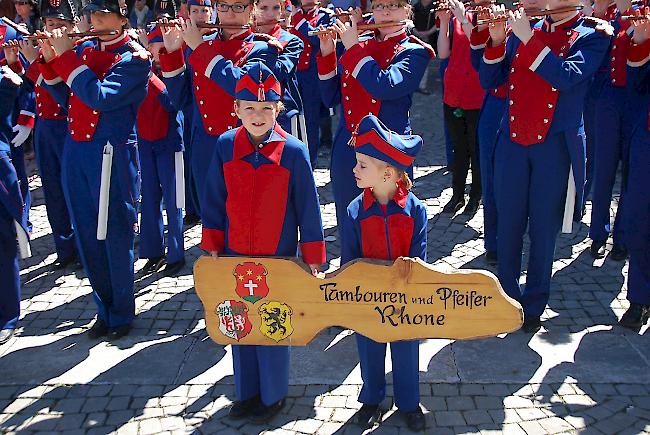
385,222
13,210
160,140
268,21
611,137
214,66
260,191
375,75
105,80
539,156
637,212
462,98
179,86
50,132
308,18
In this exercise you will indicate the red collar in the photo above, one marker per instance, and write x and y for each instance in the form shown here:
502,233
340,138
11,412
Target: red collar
401,194
276,31
551,26
115,43
271,149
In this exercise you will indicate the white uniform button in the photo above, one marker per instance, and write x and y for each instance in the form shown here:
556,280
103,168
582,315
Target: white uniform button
514,134
209,128
545,120
373,101
613,80
550,106
512,87
201,102
539,137
512,118
511,102
349,112
95,112
87,136
197,88
92,124
205,115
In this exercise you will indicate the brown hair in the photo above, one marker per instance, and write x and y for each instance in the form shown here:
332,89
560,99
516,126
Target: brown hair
404,178
279,105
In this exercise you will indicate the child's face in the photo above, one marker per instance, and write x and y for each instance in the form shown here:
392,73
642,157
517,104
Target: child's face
257,117
55,23
106,21
369,172
200,14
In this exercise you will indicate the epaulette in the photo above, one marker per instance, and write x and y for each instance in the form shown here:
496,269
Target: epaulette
599,25
271,40
326,11
414,39
138,50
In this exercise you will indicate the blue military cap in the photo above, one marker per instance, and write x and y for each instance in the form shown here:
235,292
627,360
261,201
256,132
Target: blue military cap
374,139
116,6
259,84
199,3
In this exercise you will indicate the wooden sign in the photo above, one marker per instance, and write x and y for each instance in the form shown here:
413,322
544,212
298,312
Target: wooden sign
277,301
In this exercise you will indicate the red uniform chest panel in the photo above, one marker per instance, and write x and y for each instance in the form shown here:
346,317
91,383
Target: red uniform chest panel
82,119
618,58
374,239
533,99
256,206
215,104
462,86
306,53
356,101
153,119
46,105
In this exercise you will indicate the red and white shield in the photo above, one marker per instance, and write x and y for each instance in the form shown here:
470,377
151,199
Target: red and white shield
233,319
251,281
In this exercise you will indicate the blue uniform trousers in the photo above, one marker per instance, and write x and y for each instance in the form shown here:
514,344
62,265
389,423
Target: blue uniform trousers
49,136
312,104
637,217
589,117
262,370
611,146
530,189
406,372
488,127
10,276
18,160
191,197
108,263
159,183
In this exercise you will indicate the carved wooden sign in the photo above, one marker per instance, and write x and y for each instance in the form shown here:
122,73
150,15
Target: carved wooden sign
276,301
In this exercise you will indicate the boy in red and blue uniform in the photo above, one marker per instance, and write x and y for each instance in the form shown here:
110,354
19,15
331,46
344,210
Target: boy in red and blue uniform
160,141
260,191
104,80
539,157
637,213
385,222
13,210
306,19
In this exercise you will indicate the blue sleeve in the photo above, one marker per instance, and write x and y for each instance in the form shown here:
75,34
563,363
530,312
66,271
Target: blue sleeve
287,62
402,77
419,240
305,198
351,238
329,83
493,72
213,204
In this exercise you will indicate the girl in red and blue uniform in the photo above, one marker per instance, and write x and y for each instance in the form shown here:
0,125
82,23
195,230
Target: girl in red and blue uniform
260,191
385,222
160,147
376,74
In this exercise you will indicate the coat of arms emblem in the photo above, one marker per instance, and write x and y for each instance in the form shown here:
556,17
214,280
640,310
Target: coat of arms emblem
251,281
275,320
233,319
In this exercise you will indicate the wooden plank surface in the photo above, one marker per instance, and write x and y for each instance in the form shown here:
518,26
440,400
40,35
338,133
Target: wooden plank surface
276,301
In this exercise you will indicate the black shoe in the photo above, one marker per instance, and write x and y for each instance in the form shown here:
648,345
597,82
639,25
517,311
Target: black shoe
118,332
597,249
369,415
531,324
262,413
415,420
241,408
5,335
472,207
191,219
154,264
99,329
618,253
454,204
173,268
491,257
63,263
635,317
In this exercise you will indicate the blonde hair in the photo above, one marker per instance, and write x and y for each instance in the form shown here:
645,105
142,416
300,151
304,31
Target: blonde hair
404,178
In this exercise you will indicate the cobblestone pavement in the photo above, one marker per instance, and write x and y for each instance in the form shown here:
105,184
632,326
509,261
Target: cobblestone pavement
580,374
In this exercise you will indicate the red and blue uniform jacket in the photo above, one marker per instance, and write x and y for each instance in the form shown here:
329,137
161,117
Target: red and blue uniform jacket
209,74
547,81
104,84
46,106
375,77
292,48
477,43
305,22
256,198
159,122
612,71
372,231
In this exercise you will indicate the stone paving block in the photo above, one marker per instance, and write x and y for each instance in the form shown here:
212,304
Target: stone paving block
118,418
532,428
95,419
488,402
459,403
615,423
555,425
449,418
95,404
307,426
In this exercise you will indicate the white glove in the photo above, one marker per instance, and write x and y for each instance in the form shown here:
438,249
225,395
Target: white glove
22,133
